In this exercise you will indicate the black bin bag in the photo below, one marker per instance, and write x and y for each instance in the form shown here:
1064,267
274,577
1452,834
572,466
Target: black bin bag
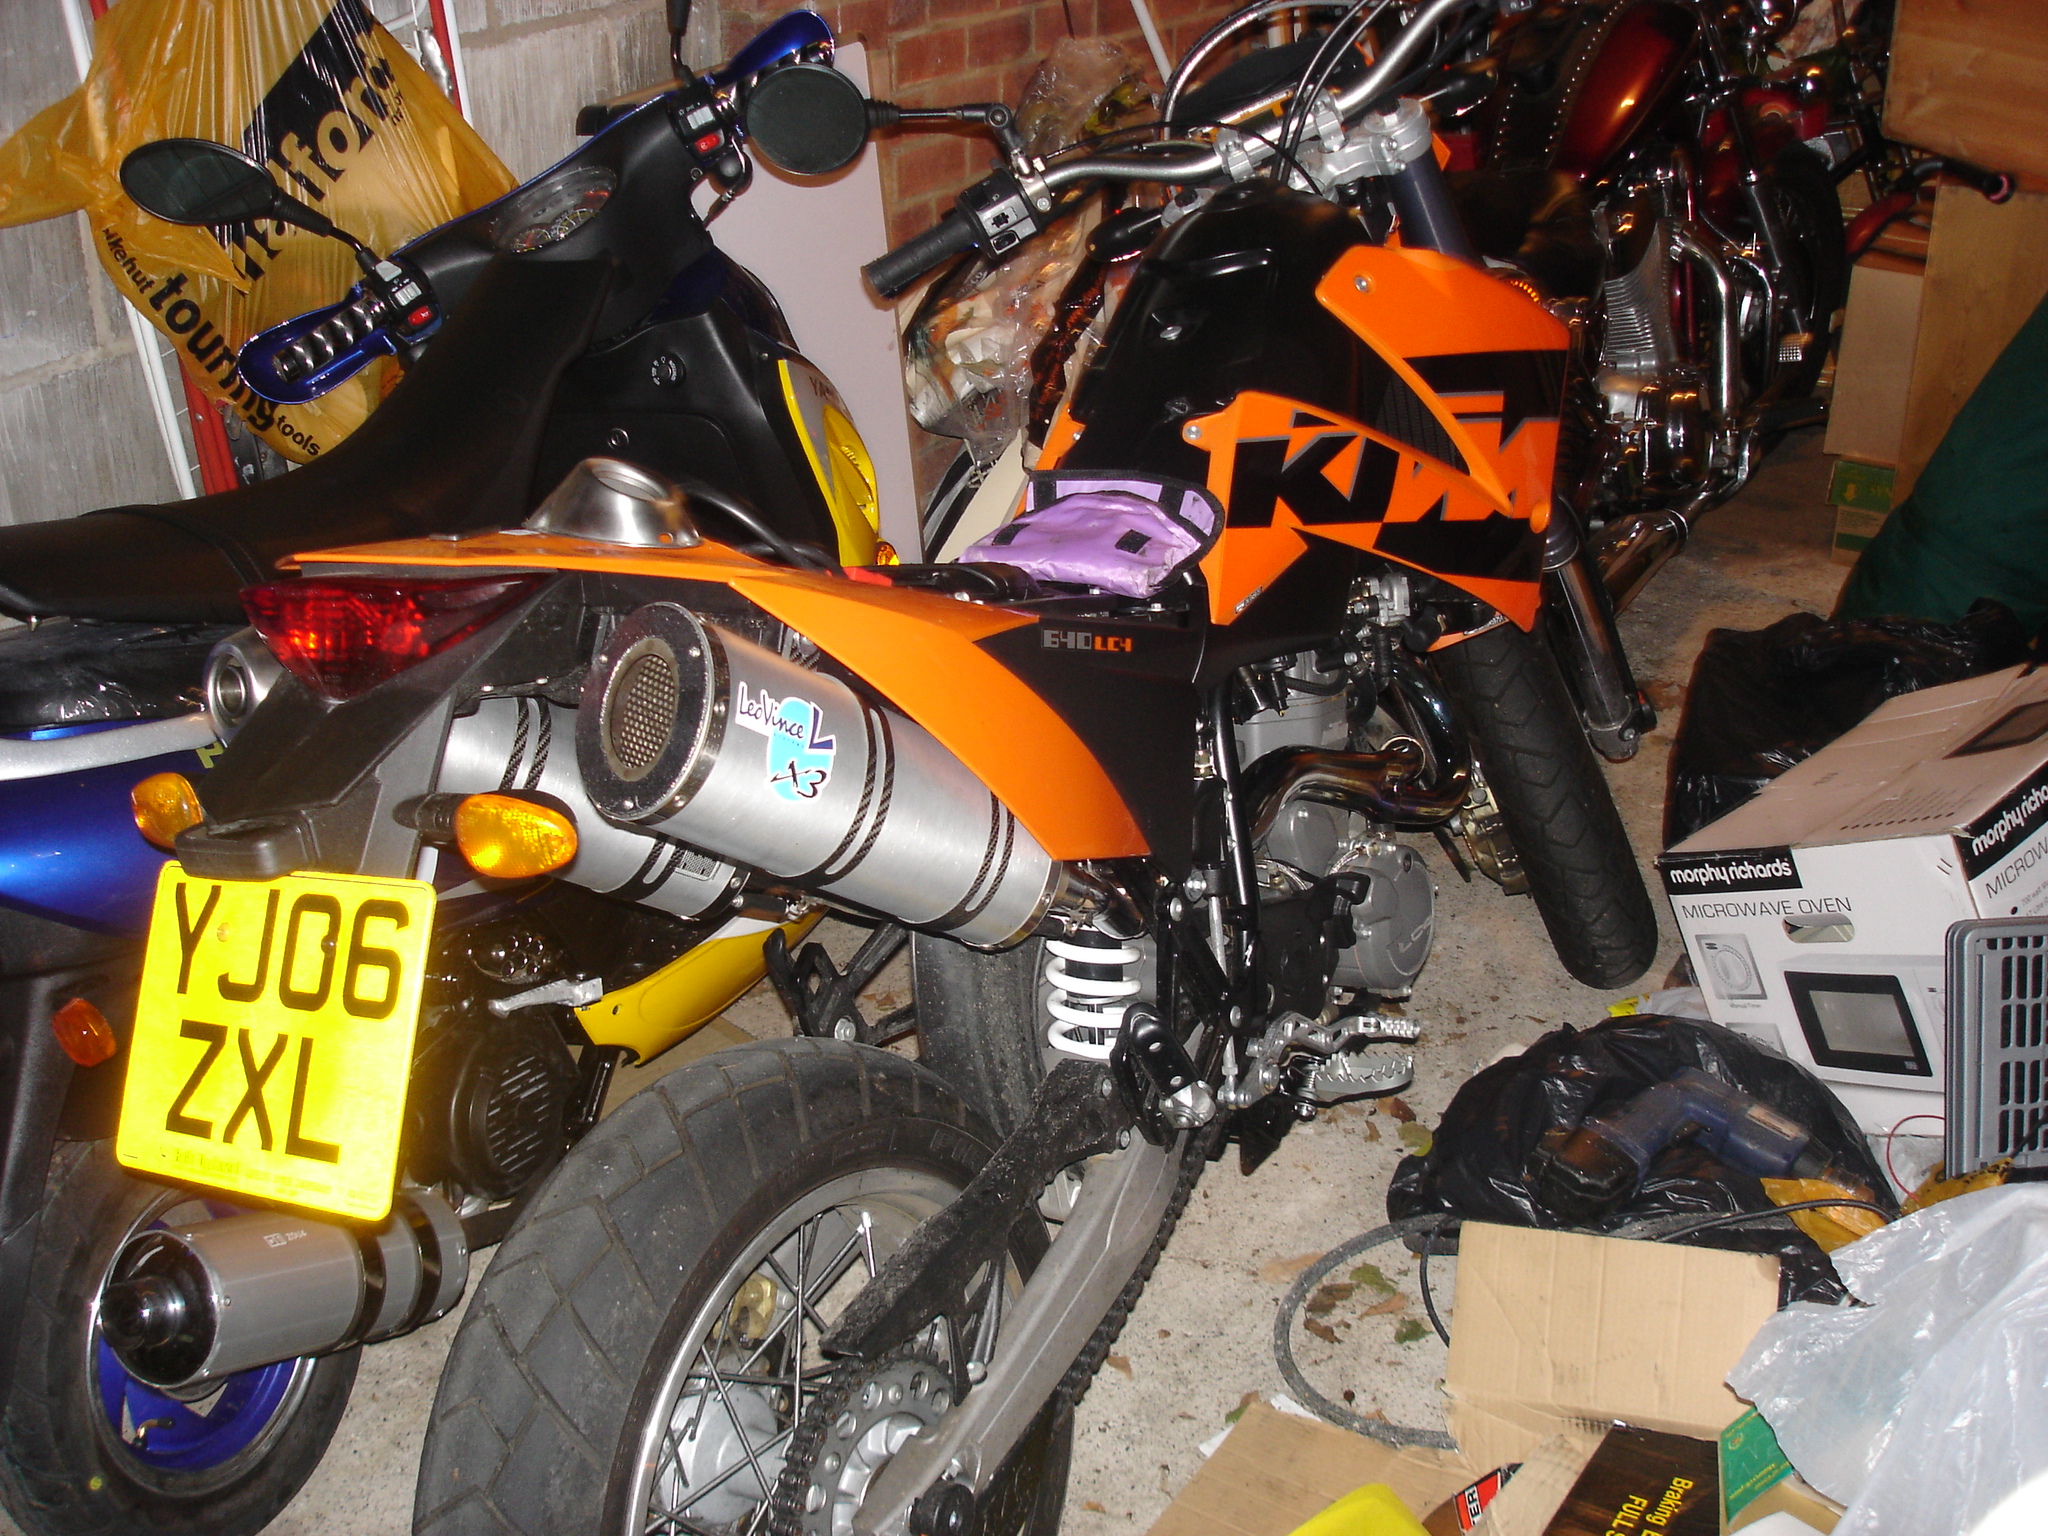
1763,700
1474,1169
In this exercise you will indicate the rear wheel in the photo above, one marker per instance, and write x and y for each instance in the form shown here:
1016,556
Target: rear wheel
89,1450
1554,798
644,1345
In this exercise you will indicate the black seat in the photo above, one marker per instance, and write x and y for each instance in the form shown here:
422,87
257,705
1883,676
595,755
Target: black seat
1538,219
451,450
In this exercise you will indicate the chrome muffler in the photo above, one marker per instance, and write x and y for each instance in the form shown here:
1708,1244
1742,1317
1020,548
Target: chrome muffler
183,1306
691,731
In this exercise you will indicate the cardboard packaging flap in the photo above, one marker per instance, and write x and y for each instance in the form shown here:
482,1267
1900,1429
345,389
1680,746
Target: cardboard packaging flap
1939,760
1277,1471
1557,1332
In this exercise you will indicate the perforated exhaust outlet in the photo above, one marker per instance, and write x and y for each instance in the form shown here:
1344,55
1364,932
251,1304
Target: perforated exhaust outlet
690,730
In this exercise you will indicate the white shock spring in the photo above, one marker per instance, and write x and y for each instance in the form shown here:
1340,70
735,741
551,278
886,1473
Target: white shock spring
1088,1010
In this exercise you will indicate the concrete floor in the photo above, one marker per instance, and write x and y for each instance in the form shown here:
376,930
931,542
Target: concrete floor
1199,1341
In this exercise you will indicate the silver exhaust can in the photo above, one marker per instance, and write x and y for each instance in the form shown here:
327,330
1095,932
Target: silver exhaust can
691,730
510,744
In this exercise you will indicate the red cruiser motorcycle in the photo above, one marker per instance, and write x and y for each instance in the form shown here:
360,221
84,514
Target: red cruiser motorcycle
1663,201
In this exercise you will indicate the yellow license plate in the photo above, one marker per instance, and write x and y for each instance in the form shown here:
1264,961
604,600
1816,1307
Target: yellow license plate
274,1035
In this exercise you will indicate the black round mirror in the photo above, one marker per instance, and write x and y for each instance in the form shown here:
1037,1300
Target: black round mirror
195,181
807,119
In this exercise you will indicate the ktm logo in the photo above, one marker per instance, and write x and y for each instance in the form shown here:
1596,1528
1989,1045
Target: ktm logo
1324,472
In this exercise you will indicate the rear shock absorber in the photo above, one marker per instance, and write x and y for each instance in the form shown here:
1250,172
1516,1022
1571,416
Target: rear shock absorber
1092,977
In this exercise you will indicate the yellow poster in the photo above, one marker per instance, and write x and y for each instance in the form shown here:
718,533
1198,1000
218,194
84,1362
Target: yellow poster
333,107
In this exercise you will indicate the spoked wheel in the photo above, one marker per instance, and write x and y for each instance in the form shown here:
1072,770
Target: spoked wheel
644,1348
91,1448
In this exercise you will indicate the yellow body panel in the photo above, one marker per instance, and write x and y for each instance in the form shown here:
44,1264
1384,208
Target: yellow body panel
837,456
657,1011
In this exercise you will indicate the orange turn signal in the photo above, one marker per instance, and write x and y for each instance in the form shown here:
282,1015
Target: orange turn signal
508,837
165,805
84,1033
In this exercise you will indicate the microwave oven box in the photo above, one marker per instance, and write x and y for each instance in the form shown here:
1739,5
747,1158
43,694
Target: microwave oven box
1817,913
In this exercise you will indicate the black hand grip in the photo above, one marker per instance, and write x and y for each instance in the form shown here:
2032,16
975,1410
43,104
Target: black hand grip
890,274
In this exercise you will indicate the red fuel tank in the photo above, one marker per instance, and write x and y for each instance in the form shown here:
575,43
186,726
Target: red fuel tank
1629,76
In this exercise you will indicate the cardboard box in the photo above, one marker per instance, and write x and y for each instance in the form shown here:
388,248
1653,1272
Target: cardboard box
1556,1335
1969,78
1874,362
1816,914
1854,529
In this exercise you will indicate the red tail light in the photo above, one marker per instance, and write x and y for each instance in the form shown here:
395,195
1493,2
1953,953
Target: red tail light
341,635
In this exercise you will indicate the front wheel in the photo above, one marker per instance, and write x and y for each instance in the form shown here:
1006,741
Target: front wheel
86,1449
1559,811
646,1342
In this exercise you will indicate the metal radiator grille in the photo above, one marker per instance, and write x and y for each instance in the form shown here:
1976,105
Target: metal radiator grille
1997,987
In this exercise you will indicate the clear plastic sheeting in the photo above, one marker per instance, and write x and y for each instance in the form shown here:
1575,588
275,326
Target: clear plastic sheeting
80,671
328,101
1927,1405
969,350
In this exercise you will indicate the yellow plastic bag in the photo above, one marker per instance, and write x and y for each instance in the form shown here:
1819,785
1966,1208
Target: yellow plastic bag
342,116
1374,1510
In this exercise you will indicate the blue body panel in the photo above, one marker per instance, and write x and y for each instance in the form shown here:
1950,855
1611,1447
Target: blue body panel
69,848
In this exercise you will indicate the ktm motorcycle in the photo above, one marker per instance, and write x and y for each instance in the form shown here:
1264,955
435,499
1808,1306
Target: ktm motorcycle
1681,215
587,310
1140,789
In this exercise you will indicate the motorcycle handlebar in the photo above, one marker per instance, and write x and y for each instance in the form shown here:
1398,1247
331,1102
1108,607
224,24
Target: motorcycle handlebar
896,270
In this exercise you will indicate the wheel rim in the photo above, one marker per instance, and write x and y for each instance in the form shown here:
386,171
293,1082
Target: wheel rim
711,1447
196,1442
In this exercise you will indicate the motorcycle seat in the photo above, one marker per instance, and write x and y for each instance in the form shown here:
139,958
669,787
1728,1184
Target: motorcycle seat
1539,220
451,450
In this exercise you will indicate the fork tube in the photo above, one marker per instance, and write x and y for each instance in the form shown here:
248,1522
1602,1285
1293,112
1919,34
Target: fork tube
1597,665
1428,217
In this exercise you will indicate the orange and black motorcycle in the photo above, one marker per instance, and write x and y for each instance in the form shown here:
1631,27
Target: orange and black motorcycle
1147,776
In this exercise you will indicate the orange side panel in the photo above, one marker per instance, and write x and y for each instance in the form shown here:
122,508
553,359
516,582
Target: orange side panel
1010,737
916,648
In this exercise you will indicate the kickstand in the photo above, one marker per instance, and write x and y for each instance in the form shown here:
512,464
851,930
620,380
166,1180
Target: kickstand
824,1000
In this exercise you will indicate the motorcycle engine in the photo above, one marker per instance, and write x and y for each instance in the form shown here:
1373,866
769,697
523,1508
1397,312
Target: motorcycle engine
1341,902
490,1098
1661,433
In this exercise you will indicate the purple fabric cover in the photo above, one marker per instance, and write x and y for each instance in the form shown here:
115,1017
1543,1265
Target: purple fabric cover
1130,534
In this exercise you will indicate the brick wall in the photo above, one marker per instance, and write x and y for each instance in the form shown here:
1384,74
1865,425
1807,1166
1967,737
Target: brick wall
929,53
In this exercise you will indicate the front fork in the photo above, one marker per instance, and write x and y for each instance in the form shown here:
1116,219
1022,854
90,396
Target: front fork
1612,708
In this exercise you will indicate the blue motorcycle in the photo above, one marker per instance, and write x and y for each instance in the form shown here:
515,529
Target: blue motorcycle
584,311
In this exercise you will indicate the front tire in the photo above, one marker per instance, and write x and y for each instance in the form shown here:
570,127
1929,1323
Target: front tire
85,1448
591,1387
1582,871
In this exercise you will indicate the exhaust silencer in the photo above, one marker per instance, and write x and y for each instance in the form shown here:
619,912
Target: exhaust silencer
525,744
187,1305
696,732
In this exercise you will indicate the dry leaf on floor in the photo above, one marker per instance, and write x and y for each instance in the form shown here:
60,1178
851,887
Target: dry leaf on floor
1242,1403
1395,1303
1278,1270
1410,1330
1327,1296
1418,1139
1398,1108
1322,1331
1369,1276
1118,1363
1372,1131
1093,1508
